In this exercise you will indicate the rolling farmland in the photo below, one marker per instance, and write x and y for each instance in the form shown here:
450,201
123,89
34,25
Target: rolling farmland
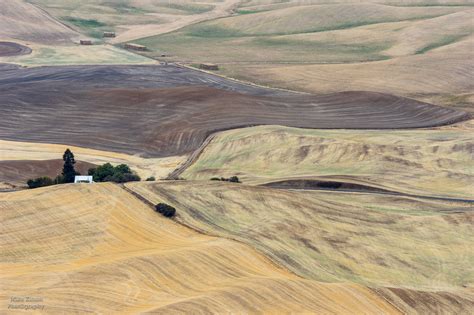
18,172
421,50
167,110
24,22
375,240
321,162
27,153
102,245
13,49
426,162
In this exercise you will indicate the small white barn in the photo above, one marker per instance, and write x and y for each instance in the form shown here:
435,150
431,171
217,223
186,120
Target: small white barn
83,179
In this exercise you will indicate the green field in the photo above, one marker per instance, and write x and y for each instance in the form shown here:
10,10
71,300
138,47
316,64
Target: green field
78,55
309,34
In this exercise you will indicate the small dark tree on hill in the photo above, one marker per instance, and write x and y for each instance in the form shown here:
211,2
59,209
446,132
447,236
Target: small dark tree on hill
166,210
68,169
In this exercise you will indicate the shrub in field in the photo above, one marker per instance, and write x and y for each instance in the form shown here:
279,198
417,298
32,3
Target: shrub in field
165,209
233,179
40,182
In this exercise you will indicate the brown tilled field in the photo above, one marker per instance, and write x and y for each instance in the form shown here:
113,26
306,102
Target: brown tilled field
164,111
13,49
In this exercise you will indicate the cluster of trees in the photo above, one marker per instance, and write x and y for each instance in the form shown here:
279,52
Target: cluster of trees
109,173
166,210
233,179
66,176
104,173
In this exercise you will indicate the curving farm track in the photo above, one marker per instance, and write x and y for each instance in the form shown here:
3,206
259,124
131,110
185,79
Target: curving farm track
164,111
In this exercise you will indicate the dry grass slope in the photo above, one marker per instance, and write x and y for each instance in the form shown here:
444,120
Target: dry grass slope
22,21
382,241
430,162
96,248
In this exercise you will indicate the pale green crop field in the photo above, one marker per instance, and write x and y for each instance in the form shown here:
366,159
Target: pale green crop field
77,55
92,17
435,162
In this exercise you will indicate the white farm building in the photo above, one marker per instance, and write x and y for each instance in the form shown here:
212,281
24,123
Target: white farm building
83,179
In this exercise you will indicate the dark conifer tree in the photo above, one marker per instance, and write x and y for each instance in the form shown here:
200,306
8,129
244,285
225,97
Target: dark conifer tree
68,169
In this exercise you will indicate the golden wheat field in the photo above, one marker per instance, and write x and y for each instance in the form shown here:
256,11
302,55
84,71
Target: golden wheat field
386,242
96,248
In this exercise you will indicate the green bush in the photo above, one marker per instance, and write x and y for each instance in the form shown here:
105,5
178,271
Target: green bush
40,182
166,210
109,173
151,179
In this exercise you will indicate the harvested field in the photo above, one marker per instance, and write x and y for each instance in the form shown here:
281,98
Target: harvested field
381,241
425,302
18,172
13,49
165,111
435,162
98,249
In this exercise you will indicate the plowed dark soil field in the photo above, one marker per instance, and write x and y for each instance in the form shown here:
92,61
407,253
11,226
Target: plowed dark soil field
13,49
169,110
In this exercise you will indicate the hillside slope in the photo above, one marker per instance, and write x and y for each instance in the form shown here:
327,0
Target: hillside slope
427,162
23,21
376,240
421,50
96,248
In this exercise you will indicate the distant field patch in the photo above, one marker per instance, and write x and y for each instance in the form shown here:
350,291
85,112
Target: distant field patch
431,162
8,49
79,55
447,40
